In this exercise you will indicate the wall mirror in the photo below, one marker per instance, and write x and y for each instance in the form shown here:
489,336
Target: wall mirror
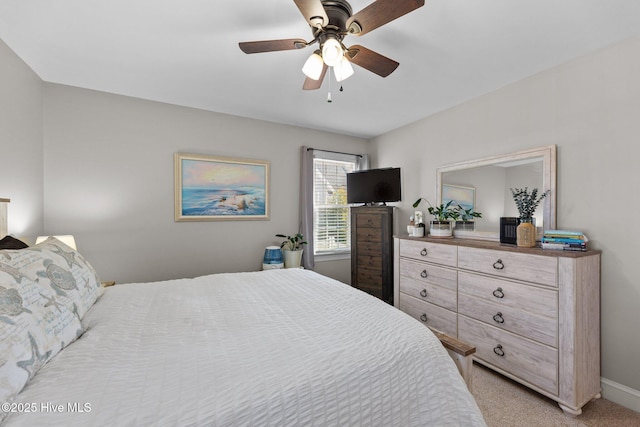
486,184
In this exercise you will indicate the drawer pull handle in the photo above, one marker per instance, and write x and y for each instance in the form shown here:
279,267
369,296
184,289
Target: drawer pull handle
423,318
423,293
498,265
498,293
498,318
424,274
423,252
498,350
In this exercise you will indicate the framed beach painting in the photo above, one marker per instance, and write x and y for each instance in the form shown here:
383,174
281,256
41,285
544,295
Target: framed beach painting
212,188
464,196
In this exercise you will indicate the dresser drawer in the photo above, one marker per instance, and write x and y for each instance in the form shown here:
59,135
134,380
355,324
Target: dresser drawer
370,262
431,252
371,289
534,363
370,276
369,221
430,315
538,328
369,248
368,235
527,267
429,283
504,293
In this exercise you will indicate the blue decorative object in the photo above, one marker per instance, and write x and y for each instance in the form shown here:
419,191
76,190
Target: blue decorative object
272,258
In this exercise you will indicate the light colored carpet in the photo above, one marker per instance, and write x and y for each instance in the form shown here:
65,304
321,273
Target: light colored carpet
505,403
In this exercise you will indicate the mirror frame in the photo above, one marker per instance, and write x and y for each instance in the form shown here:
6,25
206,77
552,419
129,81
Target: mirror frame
548,156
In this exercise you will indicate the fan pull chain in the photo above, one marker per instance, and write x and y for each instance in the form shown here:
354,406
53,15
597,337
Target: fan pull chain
329,100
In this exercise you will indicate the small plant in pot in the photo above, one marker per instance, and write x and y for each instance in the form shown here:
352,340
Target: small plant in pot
467,218
527,203
444,214
292,249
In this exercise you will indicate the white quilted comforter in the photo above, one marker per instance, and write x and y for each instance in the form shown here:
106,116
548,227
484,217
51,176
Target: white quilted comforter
272,348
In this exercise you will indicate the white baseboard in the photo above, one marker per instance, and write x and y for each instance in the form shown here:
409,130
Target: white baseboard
620,394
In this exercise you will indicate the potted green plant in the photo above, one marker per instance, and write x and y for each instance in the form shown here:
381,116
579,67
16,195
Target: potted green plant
444,214
292,249
527,203
467,218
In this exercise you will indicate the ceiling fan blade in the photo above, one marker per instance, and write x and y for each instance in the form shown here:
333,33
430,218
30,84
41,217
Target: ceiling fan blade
272,45
310,84
313,11
372,61
380,12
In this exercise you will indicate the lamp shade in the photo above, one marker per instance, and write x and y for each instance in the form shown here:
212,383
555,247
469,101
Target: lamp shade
67,239
332,52
313,67
343,70
272,258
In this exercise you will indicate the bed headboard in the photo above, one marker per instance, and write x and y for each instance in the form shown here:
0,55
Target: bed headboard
3,217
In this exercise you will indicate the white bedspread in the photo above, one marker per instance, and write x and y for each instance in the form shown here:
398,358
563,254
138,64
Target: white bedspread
273,348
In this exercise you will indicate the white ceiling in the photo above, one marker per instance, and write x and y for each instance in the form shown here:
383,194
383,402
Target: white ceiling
186,53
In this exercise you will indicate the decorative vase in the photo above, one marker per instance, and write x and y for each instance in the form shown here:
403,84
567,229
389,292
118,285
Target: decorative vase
465,225
292,259
440,229
526,233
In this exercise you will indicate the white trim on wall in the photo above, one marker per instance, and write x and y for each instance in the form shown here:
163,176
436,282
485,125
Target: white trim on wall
620,394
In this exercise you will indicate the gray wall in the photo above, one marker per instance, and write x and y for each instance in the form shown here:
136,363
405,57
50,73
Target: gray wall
106,165
108,177
590,108
109,181
21,162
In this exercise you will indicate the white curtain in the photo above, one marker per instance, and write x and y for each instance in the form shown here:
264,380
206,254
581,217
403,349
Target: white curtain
306,200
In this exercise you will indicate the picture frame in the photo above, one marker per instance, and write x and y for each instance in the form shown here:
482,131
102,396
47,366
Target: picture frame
418,217
464,196
214,188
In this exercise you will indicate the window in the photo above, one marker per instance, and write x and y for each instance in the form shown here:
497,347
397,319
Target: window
331,219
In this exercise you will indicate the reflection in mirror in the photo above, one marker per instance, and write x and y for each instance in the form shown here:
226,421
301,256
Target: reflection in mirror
487,183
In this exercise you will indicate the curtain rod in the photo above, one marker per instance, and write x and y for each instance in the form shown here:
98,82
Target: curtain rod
334,152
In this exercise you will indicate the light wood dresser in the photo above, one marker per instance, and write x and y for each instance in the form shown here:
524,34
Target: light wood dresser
532,314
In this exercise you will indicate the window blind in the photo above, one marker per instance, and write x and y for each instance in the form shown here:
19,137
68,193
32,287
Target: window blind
331,219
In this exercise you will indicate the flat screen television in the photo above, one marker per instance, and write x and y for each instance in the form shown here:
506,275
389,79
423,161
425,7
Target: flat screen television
374,186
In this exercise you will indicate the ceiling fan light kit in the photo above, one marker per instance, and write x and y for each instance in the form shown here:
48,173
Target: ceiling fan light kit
313,67
343,70
332,52
330,22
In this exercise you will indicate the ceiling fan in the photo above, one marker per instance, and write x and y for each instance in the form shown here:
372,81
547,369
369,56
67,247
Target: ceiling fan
331,21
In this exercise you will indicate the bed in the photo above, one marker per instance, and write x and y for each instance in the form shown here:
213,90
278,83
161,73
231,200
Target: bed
269,348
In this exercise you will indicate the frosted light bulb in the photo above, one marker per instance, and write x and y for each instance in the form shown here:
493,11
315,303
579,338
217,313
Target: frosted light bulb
313,67
343,70
332,52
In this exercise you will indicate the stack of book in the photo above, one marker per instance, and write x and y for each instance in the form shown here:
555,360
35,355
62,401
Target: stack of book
564,240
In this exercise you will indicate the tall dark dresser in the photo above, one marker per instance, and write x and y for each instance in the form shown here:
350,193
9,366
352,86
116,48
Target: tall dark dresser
372,250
